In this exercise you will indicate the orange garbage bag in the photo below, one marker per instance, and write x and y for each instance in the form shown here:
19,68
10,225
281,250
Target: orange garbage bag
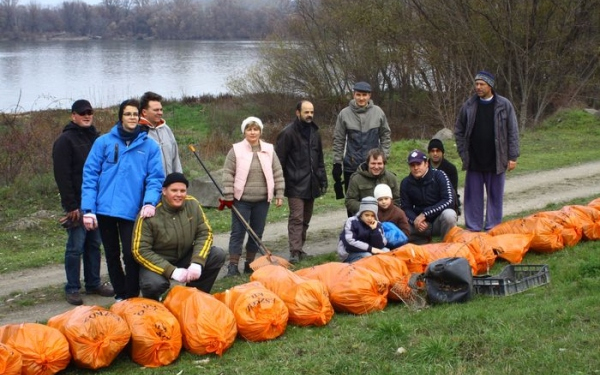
571,231
44,350
10,360
590,220
307,300
155,332
417,258
392,268
595,203
478,243
351,289
547,235
412,255
95,335
259,313
207,325
511,247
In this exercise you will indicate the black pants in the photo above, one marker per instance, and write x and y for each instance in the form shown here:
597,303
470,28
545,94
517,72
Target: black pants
116,236
153,285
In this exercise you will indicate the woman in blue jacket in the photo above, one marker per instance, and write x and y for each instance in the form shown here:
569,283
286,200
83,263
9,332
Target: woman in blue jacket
122,177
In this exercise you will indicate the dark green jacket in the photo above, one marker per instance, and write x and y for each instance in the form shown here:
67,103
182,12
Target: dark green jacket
162,240
362,184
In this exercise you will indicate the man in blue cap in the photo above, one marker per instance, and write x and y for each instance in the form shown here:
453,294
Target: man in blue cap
427,199
487,139
360,127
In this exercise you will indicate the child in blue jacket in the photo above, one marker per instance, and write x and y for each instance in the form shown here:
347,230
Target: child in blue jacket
362,235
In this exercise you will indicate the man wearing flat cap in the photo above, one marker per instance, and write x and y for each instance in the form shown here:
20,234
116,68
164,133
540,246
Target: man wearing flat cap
427,199
360,127
487,139
176,243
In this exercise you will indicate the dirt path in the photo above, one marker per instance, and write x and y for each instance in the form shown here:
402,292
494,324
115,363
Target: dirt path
522,193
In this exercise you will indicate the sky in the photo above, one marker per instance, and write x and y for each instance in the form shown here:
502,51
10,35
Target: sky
54,3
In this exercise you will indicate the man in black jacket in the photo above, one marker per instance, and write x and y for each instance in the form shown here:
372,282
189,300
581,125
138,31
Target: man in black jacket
300,152
69,153
427,199
436,151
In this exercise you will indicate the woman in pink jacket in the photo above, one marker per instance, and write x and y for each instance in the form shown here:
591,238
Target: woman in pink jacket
252,177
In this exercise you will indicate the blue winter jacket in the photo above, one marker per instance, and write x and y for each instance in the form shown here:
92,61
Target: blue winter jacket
118,179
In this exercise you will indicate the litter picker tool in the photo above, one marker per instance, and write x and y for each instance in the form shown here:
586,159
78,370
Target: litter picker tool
268,257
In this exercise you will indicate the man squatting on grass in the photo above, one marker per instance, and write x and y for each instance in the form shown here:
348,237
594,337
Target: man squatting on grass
176,243
427,199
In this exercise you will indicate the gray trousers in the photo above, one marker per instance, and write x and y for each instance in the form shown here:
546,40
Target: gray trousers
440,227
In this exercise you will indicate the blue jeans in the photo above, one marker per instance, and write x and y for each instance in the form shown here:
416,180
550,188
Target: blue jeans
81,243
353,257
255,214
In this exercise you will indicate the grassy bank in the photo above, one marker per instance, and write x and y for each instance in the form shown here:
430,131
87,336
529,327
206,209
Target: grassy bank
549,329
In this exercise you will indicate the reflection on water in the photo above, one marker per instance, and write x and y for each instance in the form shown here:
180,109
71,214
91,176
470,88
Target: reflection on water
41,75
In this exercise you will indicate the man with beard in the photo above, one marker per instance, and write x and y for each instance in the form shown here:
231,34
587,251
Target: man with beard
360,127
300,152
370,174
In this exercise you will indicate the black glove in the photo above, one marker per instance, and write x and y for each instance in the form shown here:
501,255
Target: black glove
337,172
324,188
338,187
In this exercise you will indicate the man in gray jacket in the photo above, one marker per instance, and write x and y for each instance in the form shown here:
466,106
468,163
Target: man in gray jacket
487,139
360,127
152,121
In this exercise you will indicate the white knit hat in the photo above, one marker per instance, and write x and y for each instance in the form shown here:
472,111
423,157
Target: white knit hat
381,191
368,204
251,120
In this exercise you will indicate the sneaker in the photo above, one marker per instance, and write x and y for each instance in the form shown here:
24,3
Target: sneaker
104,290
74,299
247,268
294,258
232,270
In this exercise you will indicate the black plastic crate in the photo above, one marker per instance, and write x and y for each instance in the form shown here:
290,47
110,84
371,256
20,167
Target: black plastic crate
515,278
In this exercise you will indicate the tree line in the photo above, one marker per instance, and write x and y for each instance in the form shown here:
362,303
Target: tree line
160,19
421,55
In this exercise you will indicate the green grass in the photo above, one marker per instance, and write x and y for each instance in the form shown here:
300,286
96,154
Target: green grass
552,329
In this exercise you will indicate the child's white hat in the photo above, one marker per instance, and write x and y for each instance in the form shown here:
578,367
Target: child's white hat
382,190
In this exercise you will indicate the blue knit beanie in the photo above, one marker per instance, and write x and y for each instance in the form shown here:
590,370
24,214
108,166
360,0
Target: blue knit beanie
486,77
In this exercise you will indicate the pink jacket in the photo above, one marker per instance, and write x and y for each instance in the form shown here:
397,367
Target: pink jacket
243,157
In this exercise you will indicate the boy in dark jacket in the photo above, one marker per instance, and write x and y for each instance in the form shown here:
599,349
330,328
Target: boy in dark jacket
362,235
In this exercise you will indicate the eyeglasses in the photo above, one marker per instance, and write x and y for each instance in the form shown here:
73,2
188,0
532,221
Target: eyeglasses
89,112
129,114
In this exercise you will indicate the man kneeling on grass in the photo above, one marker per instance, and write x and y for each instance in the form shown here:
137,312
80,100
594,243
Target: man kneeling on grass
176,243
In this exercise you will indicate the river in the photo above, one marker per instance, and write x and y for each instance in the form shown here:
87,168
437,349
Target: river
52,74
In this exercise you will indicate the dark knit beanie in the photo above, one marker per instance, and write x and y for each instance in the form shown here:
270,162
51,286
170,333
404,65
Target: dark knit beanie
175,177
486,77
436,143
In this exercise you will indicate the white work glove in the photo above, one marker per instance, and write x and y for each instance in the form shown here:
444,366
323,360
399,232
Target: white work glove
90,222
147,211
194,272
180,274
